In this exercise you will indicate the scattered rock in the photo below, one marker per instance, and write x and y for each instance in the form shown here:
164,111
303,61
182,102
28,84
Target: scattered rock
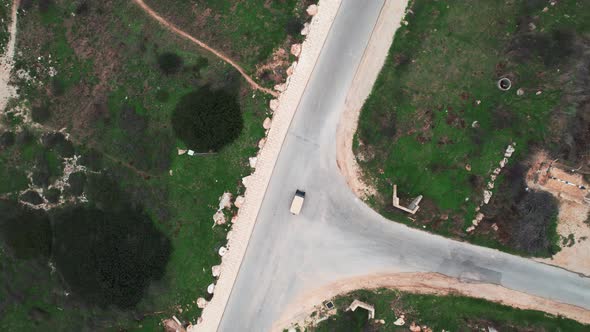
216,270
252,161
495,227
509,151
280,87
468,167
211,288
239,201
181,151
415,328
546,9
291,68
475,222
222,251
219,218
503,162
296,49
274,104
234,219
228,235
532,26
487,195
539,92
267,123
497,171
479,216
475,124
246,181
171,172
478,102
470,229
261,143
493,177
202,303
520,92
305,29
399,322
491,185
312,10
225,201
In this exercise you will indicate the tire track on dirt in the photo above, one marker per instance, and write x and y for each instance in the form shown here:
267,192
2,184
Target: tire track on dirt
217,53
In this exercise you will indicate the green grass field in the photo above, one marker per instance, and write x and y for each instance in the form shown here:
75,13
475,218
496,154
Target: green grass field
416,128
449,313
106,62
249,31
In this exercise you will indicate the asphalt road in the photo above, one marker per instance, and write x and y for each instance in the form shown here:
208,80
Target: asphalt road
336,235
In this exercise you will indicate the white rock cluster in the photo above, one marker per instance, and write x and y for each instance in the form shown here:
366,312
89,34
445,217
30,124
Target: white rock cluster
487,193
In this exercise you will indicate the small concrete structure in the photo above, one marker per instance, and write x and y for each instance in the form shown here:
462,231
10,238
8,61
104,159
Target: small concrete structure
356,303
412,208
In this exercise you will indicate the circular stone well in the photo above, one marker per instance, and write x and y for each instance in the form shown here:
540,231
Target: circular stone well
504,84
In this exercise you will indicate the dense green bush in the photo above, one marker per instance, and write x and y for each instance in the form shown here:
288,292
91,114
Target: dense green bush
170,63
25,232
207,120
109,257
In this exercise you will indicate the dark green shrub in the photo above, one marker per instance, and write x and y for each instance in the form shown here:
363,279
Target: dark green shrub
109,258
207,120
294,27
170,63
7,139
40,114
26,232
52,195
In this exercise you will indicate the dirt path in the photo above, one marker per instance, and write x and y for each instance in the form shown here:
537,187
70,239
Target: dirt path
8,91
426,283
367,72
217,53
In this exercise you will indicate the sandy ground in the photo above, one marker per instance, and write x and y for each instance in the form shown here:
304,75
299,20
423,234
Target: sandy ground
258,182
373,59
8,91
217,53
424,283
573,212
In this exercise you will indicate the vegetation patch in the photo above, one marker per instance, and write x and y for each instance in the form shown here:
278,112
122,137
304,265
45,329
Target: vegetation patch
111,110
448,313
206,120
170,63
437,125
109,257
249,32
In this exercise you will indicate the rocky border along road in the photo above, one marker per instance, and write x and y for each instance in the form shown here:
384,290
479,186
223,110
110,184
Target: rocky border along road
258,182
362,84
424,283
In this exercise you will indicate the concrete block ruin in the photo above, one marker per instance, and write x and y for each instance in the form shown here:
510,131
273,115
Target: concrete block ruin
412,208
356,304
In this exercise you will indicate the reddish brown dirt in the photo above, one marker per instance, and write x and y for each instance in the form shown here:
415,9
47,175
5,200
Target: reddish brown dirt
217,53
424,283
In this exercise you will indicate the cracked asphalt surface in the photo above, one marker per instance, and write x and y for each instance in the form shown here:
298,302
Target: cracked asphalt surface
337,236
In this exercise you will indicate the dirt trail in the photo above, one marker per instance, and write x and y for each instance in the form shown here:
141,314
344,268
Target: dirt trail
217,53
425,283
8,91
366,75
